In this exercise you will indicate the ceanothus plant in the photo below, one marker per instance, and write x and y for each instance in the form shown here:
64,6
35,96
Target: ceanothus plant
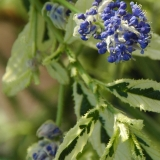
102,131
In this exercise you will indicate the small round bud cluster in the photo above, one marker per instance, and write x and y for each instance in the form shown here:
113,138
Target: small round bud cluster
57,13
96,2
46,148
85,24
48,130
120,33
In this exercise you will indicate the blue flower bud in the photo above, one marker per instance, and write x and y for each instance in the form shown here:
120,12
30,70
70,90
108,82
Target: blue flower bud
84,38
51,149
48,130
41,155
111,59
43,150
126,57
123,5
95,4
81,16
101,45
121,12
57,13
102,50
104,34
91,12
84,25
97,36
48,7
98,1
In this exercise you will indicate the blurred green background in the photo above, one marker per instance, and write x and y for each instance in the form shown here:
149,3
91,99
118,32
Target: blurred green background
21,115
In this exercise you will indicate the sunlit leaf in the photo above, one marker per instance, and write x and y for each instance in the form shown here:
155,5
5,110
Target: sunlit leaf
144,94
133,123
103,130
124,131
136,148
123,151
76,138
83,98
88,153
111,147
149,148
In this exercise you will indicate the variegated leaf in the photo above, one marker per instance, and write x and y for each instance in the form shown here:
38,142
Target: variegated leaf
124,131
88,153
144,94
149,148
77,137
110,150
136,149
123,151
83,98
133,123
103,131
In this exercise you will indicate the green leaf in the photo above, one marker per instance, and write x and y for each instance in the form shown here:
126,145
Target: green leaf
153,152
88,153
22,65
46,39
136,149
103,130
76,138
124,148
124,131
140,144
127,147
153,49
81,5
111,148
132,123
123,151
83,98
58,72
150,150
99,138
126,125
144,94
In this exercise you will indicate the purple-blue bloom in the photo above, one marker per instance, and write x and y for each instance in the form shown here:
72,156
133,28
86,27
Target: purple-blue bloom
45,151
120,33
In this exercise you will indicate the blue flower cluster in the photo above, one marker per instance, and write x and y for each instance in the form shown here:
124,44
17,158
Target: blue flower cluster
57,13
48,130
85,24
120,33
46,148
